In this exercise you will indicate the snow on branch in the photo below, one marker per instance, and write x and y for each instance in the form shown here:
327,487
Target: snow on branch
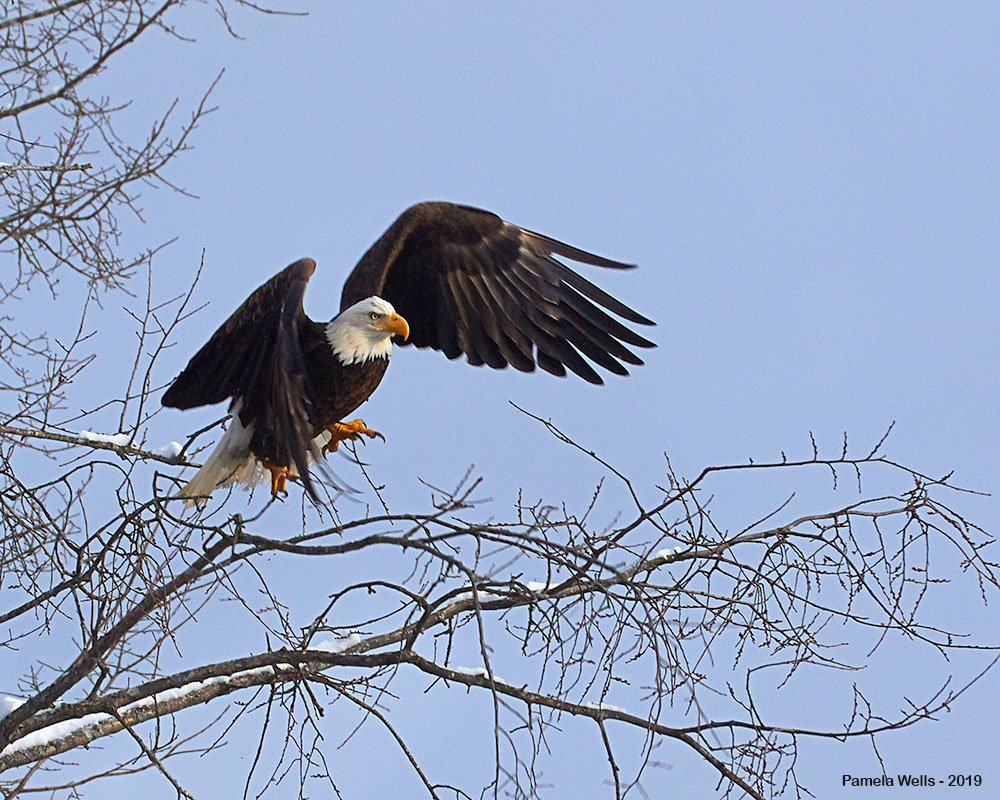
7,169
171,453
65,735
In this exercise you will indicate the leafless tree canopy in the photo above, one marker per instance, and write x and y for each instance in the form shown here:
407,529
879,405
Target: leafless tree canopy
651,613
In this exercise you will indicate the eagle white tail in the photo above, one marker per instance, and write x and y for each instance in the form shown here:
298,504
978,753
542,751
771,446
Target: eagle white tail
231,462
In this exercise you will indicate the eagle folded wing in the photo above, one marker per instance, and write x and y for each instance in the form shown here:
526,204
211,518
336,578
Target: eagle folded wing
255,359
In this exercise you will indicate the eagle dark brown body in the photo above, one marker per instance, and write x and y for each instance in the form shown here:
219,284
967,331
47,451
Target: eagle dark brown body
330,392
333,390
459,279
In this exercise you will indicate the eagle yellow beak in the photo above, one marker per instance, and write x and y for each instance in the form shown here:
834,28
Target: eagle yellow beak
397,325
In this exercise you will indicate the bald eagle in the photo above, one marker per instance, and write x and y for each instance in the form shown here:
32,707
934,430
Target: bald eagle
458,279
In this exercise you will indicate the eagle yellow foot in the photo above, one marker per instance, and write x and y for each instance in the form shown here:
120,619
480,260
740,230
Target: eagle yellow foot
279,477
353,430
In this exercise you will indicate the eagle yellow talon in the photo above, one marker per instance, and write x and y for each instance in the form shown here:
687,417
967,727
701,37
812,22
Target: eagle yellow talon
279,477
353,431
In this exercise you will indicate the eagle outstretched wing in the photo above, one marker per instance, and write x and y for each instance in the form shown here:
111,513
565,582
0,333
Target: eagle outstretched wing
469,282
256,359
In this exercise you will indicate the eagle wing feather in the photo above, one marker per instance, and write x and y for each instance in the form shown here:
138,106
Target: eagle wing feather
470,283
255,359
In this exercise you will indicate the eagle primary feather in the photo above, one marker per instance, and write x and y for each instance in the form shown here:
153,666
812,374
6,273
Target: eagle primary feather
454,278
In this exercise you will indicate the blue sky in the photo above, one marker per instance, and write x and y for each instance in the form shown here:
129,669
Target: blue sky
810,190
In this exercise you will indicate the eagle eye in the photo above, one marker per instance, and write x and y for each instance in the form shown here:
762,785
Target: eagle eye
374,315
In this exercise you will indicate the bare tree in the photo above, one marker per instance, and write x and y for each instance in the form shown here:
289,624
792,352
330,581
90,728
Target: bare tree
647,602
551,612
69,177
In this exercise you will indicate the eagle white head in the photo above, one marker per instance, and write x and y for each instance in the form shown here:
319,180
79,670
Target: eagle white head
365,330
